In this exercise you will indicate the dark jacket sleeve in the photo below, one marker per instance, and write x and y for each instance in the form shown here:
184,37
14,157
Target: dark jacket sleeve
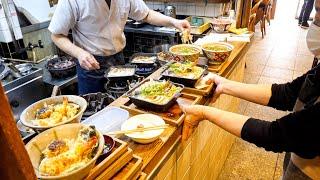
284,96
297,132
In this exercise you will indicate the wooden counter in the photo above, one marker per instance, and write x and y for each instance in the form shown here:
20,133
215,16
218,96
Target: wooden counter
203,155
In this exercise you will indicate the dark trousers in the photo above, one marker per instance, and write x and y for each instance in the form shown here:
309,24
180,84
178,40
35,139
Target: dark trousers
306,10
93,81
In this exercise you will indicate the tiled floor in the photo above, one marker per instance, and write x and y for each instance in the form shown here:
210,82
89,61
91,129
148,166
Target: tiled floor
280,57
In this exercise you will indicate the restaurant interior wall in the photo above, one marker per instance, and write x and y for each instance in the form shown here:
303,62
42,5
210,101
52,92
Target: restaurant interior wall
198,8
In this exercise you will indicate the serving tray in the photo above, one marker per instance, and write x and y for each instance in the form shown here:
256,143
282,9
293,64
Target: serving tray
113,160
131,170
174,115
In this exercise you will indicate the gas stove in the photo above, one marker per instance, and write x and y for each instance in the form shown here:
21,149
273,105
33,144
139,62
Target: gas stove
118,88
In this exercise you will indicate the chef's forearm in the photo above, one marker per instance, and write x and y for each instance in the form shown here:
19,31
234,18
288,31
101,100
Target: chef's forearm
66,45
159,19
257,93
228,121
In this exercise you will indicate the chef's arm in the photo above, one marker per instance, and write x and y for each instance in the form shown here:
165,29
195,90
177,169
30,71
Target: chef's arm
66,45
159,19
86,60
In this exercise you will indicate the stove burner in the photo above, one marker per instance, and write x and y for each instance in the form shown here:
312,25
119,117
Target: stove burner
118,88
96,102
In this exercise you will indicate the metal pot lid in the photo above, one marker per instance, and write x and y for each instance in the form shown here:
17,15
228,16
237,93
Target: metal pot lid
25,67
4,71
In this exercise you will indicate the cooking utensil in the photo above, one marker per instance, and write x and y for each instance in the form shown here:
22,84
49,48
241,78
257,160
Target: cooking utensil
147,120
121,77
170,11
138,130
4,70
61,67
24,68
96,102
136,24
183,80
150,105
14,71
143,64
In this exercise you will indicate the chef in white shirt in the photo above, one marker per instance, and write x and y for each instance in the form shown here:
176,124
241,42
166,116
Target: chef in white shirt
97,30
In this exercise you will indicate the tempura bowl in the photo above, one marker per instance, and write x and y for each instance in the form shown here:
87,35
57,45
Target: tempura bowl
67,131
30,112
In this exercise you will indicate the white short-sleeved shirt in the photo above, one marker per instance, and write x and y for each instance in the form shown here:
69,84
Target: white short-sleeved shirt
95,27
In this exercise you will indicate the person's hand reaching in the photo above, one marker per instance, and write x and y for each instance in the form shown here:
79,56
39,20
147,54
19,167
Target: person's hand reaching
87,61
219,82
194,115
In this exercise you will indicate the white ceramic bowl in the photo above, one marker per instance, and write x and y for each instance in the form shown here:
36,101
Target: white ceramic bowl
67,131
29,113
147,120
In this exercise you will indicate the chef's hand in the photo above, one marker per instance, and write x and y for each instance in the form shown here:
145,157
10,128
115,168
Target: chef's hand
182,25
219,82
87,61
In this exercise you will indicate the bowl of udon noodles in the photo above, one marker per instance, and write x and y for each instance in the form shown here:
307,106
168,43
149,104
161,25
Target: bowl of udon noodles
68,151
185,52
216,52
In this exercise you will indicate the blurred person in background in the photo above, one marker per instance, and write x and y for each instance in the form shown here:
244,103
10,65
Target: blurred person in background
305,13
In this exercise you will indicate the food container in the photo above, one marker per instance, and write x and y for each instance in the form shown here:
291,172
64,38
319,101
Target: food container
217,56
201,26
136,24
109,144
61,67
143,63
121,76
192,56
30,112
183,80
67,131
147,120
221,25
150,105
116,116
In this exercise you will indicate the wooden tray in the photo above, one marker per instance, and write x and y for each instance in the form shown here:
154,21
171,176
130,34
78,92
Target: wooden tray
174,116
116,166
216,68
143,176
120,148
131,170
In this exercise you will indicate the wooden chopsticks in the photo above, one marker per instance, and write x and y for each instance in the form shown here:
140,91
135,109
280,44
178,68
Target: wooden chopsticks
138,130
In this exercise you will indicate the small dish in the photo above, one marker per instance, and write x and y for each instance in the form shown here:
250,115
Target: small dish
109,144
145,120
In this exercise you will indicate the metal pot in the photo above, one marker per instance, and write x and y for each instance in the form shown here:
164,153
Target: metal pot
170,11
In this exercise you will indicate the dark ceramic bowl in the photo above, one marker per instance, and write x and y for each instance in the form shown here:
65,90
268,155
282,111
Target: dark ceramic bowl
109,144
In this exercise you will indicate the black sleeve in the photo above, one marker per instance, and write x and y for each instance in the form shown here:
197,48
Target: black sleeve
297,132
284,95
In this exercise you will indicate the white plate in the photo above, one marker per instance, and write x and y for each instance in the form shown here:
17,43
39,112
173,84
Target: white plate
147,120
108,119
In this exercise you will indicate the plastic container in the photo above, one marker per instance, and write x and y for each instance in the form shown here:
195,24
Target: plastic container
107,120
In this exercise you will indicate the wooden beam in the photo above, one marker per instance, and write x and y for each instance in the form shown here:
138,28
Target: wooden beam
243,13
15,162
